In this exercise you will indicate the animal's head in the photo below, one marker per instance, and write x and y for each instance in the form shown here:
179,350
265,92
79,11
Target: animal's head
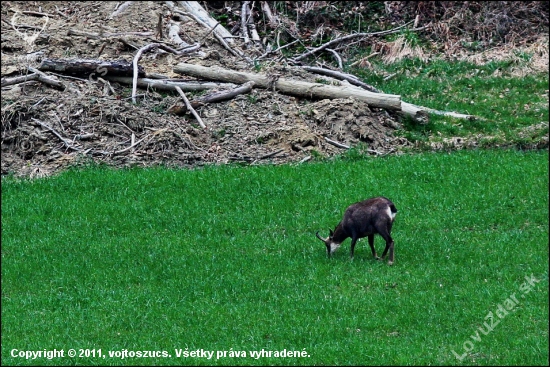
331,245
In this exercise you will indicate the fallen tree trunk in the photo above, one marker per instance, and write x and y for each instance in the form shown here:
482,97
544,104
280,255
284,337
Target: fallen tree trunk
201,16
38,75
89,67
418,113
352,79
294,87
170,84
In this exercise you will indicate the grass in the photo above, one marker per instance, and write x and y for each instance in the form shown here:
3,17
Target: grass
507,104
225,259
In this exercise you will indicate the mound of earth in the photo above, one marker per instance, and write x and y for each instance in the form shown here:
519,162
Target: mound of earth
45,130
274,128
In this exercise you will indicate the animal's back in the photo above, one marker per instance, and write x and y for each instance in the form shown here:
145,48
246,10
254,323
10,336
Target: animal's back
364,214
373,205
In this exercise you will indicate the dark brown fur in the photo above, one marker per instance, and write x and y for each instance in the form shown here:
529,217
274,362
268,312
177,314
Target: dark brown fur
365,219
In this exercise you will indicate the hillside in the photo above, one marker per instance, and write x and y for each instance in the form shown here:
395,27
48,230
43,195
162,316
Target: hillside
92,118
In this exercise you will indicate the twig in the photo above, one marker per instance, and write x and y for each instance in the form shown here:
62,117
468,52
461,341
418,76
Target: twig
130,147
208,34
56,134
338,58
344,146
137,95
125,42
364,59
60,12
272,154
212,98
305,159
159,27
173,34
151,47
442,113
101,49
135,67
276,50
163,84
26,26
37,103
352,36
252,26
234,52
107,85
19,79
336,144
69,77
190,108
123,124
87,136
193,9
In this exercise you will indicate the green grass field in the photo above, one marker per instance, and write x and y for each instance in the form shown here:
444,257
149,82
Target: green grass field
226,259
512,109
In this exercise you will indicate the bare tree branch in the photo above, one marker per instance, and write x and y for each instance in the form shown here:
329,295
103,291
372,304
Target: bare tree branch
353,36
151,47
190,108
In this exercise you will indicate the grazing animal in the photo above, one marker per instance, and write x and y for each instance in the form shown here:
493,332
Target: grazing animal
364,219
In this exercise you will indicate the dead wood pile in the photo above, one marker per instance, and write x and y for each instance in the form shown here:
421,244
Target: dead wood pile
165,83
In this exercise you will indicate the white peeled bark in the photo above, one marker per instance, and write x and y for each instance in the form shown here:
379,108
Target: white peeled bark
195,8
294,87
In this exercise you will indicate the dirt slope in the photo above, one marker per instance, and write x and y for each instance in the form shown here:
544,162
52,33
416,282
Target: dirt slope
101,124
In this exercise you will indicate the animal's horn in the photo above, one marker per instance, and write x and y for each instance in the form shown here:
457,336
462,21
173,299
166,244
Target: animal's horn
321,238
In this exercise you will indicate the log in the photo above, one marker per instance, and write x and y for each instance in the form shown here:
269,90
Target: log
352,79
419,114
89,67
186,86
293,87
120,9
97,36
212,98
273,20
41,77
197,12
173,34
224,95
201,15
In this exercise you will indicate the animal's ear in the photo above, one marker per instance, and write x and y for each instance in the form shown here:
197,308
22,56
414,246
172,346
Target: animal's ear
330,234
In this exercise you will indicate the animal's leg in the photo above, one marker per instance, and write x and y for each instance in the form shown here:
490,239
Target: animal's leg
353,241
389,246
371,244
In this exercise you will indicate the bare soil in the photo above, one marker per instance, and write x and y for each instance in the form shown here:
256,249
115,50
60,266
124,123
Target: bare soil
97,125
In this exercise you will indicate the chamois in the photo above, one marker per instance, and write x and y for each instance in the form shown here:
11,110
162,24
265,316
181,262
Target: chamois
364,219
